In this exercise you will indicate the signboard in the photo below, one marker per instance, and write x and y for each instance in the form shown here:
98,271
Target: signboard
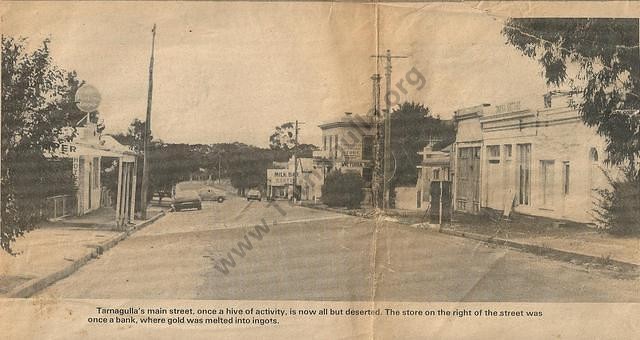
352,151
68,149
76,172
508,107
279,177
88,98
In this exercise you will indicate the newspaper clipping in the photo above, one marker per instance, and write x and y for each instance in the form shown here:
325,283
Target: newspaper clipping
325,170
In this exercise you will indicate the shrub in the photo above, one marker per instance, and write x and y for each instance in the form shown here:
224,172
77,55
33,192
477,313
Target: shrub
618,208
343,190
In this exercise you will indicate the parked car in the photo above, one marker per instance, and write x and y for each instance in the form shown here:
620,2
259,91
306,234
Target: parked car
254,194
212,194
186,200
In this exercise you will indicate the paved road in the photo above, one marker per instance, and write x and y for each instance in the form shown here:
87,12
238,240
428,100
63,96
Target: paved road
316,255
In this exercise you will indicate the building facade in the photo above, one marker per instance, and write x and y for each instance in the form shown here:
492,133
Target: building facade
348,145
543,162
309,179
435,166
88,150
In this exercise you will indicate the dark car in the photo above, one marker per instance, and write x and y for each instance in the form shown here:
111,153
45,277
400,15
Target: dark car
186,200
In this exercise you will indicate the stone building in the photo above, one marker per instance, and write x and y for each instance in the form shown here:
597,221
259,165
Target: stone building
435,166
348,145
543,162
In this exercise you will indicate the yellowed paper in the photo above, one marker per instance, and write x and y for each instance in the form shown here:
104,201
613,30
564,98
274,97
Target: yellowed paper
477,220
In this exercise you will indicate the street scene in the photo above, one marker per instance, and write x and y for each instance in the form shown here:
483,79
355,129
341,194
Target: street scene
236,151
318,255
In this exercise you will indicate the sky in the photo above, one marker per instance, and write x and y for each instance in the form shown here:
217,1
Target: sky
228,72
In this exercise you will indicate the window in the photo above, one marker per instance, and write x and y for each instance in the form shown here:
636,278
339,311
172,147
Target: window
367,148
547,182
436,174
565,177
493,151
324,143
330,145
508,150
335,150
524,173
493,154
593,155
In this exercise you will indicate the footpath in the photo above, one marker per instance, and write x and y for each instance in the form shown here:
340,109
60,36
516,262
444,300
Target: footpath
559,240
56,249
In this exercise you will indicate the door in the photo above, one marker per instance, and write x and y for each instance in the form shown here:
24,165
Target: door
547,183
468,180
495,189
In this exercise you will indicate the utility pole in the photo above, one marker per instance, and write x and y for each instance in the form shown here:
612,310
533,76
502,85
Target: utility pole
295,162
378,178
147,133
219,169
387,125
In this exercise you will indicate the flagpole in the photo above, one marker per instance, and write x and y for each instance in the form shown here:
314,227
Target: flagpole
147,133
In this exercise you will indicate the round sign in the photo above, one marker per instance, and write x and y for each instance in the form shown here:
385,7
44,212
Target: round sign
87,98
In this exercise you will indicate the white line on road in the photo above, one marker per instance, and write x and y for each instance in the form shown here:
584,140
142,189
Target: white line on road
276,222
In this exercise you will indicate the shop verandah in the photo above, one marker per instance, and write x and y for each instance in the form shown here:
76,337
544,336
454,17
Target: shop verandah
110,201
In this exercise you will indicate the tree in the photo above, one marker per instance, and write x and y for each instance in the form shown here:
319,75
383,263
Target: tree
413,128
248,166
134,138
605,51
35,123
617,209
283,138
343,189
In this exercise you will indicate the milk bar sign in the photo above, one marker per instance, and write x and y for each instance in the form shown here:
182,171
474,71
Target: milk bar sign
278,177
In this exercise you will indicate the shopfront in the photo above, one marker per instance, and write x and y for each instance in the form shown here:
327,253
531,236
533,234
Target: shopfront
88,151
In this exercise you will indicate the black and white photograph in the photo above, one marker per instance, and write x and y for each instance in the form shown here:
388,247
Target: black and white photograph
330,165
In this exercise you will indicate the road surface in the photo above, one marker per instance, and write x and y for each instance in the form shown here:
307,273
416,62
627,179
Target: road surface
298,253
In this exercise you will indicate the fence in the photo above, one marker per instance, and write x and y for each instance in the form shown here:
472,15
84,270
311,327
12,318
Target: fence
60,206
